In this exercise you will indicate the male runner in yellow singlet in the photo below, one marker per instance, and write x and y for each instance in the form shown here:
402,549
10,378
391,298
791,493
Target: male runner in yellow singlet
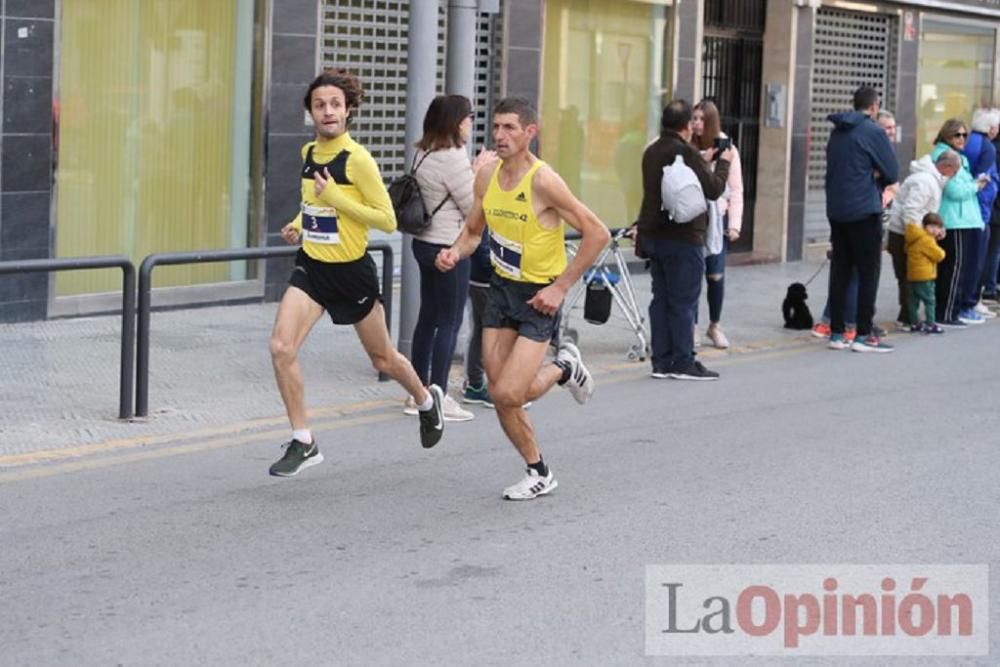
342,196
524,203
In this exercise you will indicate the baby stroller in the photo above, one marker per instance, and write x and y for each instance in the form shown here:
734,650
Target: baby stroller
607,281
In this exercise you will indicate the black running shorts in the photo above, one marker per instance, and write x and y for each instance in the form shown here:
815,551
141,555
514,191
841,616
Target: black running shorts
347,290
507,308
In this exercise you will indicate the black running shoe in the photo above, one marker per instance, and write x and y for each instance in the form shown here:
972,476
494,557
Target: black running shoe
432,421
693,370
297,457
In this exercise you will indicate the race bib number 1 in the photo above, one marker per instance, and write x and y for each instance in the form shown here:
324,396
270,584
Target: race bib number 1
506,254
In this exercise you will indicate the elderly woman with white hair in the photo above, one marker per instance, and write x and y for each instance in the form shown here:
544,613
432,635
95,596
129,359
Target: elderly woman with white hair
982,156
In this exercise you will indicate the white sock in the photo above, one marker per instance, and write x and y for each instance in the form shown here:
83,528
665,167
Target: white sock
303,435
427,404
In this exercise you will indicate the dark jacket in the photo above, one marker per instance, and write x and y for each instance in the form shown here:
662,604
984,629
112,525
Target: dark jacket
858,148
481,268
653,220
982,156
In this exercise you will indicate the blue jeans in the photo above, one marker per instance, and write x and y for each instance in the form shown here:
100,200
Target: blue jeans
442,305
677,270
992,261
715,290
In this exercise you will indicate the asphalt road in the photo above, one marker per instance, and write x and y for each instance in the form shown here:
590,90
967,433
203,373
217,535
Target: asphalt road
187,553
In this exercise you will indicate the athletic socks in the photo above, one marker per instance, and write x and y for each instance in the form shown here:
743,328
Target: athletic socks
567,371
427,404
303,435
540,468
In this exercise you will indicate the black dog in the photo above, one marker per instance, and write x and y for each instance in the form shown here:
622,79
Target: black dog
797,315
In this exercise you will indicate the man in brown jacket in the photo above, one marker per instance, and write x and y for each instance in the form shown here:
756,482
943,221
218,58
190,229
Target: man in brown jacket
675,249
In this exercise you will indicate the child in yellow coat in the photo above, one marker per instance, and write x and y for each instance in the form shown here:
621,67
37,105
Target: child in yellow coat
923,254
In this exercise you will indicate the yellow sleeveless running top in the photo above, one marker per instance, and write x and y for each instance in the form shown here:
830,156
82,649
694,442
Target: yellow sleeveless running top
520,248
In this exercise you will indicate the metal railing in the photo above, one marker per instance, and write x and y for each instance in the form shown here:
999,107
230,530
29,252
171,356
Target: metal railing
199,257
128,307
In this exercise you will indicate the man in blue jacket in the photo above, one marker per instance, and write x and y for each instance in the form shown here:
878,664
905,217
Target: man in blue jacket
860,163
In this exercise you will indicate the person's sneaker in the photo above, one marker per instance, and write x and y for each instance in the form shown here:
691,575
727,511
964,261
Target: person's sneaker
903,325
297,457
838,342
531,486
984,312
580,382
991,297
850,333
870,344
718,337
410,407
659,373
432,421
933,329
693,371
821,330
453,412
919,327
953,324
477,396
879,331
969,316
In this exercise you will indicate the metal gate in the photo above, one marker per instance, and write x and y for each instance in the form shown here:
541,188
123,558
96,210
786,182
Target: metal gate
850,49
370,38
732,56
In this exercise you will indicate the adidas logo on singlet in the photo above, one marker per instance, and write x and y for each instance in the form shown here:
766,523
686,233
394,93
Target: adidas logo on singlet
520,197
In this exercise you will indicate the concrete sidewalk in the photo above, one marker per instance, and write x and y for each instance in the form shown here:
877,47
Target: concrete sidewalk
210,370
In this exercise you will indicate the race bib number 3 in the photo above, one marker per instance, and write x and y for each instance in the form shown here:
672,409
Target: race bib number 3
319,225
506,254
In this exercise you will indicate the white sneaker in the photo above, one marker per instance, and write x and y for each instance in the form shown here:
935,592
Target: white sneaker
410,407
580,382
531,486
453,412
984,311
718,337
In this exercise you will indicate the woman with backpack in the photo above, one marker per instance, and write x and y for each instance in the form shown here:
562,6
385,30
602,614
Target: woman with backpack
445,177
706,128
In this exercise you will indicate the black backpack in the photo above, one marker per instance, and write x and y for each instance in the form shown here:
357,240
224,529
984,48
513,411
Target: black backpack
411,212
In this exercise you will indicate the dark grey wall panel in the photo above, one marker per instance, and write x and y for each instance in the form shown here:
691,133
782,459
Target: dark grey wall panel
30,111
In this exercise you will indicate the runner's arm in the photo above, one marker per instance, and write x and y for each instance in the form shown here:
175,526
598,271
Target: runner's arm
556,194
375,209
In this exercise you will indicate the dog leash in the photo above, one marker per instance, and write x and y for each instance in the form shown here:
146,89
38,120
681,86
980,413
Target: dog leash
821,267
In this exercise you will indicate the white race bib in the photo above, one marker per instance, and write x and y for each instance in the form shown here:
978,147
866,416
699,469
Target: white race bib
506,254
319,225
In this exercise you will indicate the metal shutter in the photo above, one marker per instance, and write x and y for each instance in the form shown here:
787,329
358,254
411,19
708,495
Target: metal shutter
850,49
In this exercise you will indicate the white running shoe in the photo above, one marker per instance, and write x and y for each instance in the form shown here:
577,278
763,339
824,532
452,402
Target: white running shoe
453,412
580,382
410,407
531,486
983,310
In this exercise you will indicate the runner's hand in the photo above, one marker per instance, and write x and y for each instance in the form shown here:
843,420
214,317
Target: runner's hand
446,259
483,157
548,300
321,180
290,233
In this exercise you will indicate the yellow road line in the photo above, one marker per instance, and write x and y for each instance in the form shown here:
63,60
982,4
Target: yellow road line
191,448
60,454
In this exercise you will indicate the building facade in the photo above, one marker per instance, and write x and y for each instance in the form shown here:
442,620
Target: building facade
146,126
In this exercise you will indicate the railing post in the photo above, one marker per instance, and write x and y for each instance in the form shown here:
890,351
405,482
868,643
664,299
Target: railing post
142,337
128,341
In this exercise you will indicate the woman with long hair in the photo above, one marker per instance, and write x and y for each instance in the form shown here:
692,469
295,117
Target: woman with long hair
963,222
445,176
706,128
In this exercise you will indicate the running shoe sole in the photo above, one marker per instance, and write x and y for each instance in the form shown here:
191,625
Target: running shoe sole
547,490
308,463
